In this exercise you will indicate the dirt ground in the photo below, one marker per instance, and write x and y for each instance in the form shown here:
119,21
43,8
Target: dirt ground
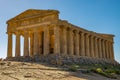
40,71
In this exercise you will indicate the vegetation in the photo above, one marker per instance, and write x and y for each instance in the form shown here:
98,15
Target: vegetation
109,71
74,67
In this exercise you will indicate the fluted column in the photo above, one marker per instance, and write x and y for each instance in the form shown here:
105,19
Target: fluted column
71,43
107,50
31,43
77,43
40,43
87,45
82,44
46,44
92,46
103,48
96,47
112,50
64,41
17,48
100,49
57,40
26,44
36,42
9,49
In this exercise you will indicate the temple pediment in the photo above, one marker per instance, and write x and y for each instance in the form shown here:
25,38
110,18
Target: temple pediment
32,13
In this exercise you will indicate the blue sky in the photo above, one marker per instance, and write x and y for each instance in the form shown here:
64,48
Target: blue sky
102,16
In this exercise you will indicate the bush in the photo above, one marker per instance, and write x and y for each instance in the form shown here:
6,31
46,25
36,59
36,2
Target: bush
74,67
110,71
99,70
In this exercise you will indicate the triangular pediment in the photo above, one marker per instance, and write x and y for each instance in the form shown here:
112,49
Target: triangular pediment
33,12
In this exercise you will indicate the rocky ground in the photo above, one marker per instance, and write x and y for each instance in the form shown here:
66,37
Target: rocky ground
42,71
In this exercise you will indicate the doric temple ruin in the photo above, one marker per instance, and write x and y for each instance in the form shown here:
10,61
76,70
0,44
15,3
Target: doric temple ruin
45,35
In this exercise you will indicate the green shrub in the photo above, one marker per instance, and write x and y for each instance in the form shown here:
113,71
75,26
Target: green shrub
107,73
110,71
74,67
99,70
117,71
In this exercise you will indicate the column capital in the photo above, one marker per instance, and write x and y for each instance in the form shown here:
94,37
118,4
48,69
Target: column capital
17,33
76,31
103,39
106,41
87,34
82,33
9,33
92,36
96,38
71,29
99,39
64,28
25,31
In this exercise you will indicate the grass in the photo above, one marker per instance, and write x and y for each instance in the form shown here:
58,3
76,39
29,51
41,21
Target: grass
109,71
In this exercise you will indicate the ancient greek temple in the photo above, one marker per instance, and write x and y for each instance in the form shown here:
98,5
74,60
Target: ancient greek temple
45,34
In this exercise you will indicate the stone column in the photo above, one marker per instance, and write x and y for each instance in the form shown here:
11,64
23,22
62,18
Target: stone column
71,43
9,49
26,44
17,48
107,50
103,48
87,45
99,48
46,45
56,40
112,50
31,44
82,44
96,47
92,46
110,53
77,43
64,41
40,42
35,42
